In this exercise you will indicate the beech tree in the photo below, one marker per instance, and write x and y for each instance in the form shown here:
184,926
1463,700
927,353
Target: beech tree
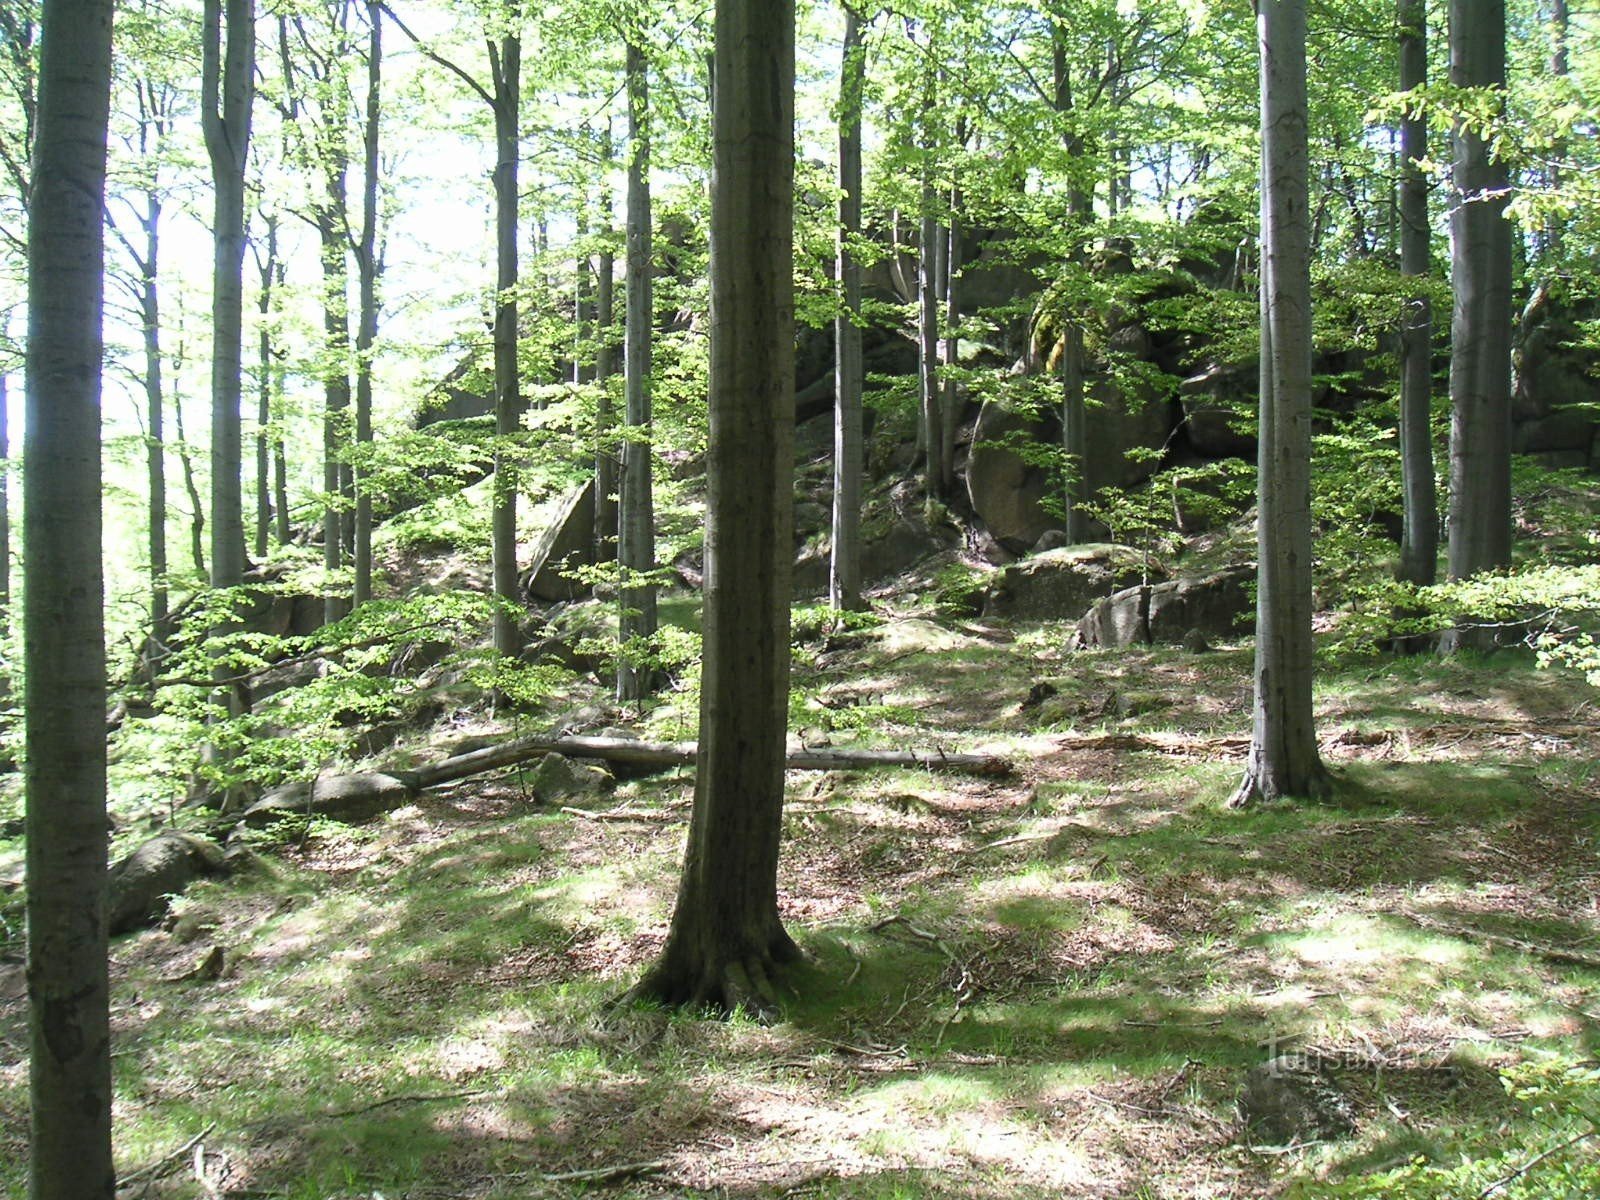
844,569
726,937
1284,760
227,92
636,552
1419,542
65,705
1480,327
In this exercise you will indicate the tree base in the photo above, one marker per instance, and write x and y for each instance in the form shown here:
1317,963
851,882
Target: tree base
1258,786
719,983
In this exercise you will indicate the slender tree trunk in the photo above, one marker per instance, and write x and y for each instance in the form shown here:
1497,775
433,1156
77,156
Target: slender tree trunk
636,550
507,63
949,411
155,446
1480,335
368,267
844,571
1074,409
335,386
280,456
726,937
197,526
265,373
1284,760
227,91
582,294
605,449
65,702
928,301
1555,223
1419,542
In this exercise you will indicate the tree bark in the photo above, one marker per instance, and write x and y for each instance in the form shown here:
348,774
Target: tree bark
265,373
1284,760
155,446
1480,334
928,246
726,937
506,61
1080,211
1419,541
636,550
65,705
369,266
605,450
227,92
844,568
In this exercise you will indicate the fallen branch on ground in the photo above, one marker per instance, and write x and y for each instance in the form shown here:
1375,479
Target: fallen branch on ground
1555,954
605,1174
166,1163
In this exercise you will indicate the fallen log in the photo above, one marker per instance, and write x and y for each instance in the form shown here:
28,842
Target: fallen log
359,797
663,755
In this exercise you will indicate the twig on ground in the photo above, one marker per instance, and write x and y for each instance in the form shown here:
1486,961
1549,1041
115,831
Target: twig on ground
932,938
408,1098
167,1162
621,814
1534,1162
605,1174
1554,954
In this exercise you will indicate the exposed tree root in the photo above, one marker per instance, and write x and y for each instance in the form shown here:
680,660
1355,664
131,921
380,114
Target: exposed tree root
723,984
1258,787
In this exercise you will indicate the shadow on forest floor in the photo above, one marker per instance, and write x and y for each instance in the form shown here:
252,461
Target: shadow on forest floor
1043,986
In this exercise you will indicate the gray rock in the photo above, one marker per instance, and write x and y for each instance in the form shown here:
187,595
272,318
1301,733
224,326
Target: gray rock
1216,605
567,542
351,798
1059,585
140,885
1289,1100
556,777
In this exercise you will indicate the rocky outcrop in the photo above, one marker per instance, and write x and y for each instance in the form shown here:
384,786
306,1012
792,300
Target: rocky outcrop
567,542
1058,585
1215,605
141,885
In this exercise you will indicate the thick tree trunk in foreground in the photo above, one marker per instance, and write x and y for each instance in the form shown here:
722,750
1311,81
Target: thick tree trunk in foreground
844,568
1480,333
726,936
1419,542
636,543
227,91
1283,745
65,708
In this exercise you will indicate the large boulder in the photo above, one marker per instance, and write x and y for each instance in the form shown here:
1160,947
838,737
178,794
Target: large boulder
1219,406
567,542
1058,585
140,885
885,552
1215,605
349,798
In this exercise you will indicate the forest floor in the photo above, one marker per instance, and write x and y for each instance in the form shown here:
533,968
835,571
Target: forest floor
1046,985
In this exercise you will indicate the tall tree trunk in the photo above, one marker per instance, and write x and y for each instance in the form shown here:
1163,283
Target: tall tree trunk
928,246
197,525
1080,211
844,569
605,450
5,512
582,293
65,703
266,372
335,384
155,446
1419,542
227,91
1480,334
368,267
726,937
1555,223
636,549
1283,745
506,61
949,411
